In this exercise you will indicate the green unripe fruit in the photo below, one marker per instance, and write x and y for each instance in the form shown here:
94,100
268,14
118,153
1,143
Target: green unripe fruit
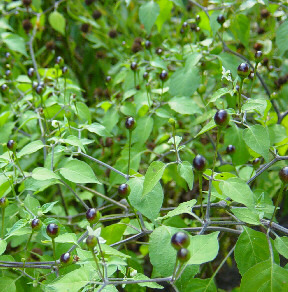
4,202
283,174
201,89
180,240
91,241
183,255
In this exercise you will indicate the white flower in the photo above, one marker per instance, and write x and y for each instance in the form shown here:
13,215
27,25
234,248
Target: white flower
226,74
96,233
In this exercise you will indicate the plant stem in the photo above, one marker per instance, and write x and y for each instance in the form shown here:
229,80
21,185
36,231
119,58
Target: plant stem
17,161
201,195
175,146
54,252
277,203
129,151
254,77
216,150
96,261
173,275
133,210
3,216
239,95
26,247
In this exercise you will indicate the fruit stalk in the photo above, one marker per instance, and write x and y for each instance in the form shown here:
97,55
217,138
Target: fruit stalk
129,151
97,264
239,95
3,216
54,249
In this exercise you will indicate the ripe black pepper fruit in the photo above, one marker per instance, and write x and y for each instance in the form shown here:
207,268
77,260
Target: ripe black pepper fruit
230,149
26,2
185,25
27,25
148,44
36,224
96,14
85,27
108,79
130,124
221,19
7,55
4,202
113,34
183,255
133,66
256,162
52,230
197,29
182,31
50,45
198,18
65,70
265,13
146,75
270,68
11,145
124,190
283,174
265,61
243,70
109,142
159,51
30,72
257,46
91,241
179,240
66,258
4,87
163,75
193,26
92,215
59,60
89,2
221,118
199,163
39,89
258,56
8,73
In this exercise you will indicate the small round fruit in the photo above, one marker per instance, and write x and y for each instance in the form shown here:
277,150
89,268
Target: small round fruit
4,202
221,118
198,18
30,72
183,255
133,66
96,14
159,51
26,2
230,149
130,124
66,259
258,56
274,95
59,60
113,33
243,70
256,162
52,230
89,2
65,70
283,174
108,79
185,25
199,163
85,27
179,240
221,19
163,75
201,89
91,241
27,25
39,89
11,145
8,73
7,55
172,122
124,190
36,224
4,87
145,75
148,45
92,215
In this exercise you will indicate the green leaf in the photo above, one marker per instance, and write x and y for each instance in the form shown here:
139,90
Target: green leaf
281,245
165,13
238,191
281,37
67,238
113,233
184,81
251,248
200,285
152,176
246,215
32,204
98,129
148,14
209,126
82,110
14,42
150,204
57,21
18,225
30,148
257,138
78,172
74,141
140,276
162,254
7,284
184,105
265,276
178,3
258,105
48,207
203,248
185,170
240,27
3,245
143,130
217,94
42,173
